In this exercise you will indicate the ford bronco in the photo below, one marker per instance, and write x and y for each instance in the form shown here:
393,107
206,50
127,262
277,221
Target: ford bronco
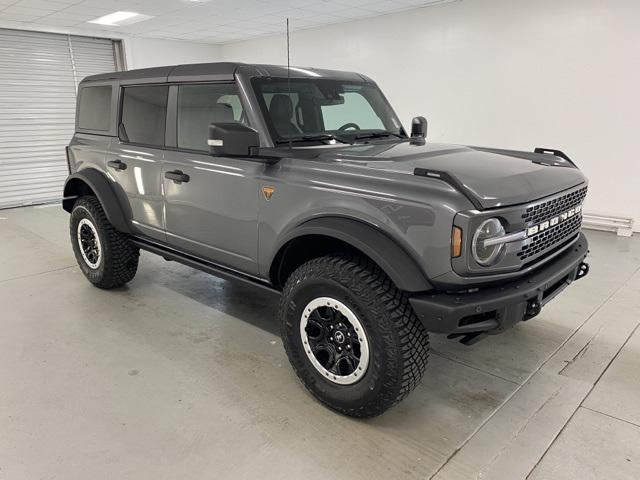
304,182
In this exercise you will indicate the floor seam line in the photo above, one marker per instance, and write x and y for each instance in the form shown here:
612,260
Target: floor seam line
459,362
538,369
36,274
610,416
36,234
553,441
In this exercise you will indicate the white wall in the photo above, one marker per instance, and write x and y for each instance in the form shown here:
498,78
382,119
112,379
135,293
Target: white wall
506,73
149,52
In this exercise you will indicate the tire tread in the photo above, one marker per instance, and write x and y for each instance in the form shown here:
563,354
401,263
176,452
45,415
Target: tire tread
404,332
120,255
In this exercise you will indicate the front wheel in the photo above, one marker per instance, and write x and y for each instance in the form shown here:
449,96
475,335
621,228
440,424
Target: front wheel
351,335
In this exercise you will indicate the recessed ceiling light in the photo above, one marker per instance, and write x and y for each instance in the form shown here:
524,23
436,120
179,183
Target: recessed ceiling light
121,18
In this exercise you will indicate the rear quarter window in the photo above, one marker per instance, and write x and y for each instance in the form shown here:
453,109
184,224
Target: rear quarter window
94,110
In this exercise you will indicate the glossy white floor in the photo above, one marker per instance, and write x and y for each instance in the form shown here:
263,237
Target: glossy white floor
181,375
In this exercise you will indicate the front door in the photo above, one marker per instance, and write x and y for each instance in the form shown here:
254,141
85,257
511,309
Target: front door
210,202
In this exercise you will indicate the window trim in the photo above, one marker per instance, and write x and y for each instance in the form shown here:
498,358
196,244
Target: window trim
111,131
171,127
122,88
171,118
176,148
109,103
264,108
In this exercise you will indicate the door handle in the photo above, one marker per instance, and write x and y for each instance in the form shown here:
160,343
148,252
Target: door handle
177,176
118,165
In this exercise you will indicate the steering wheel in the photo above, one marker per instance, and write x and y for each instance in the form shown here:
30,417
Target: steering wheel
344,127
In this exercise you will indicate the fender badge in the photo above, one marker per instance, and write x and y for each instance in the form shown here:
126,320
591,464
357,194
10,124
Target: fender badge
268,192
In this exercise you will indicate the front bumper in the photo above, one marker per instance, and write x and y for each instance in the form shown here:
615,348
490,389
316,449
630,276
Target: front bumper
494,309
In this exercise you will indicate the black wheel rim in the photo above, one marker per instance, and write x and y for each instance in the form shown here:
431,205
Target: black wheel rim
334,340
89,243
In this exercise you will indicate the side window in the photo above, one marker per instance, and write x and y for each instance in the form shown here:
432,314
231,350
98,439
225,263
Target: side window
234,102
94,108
144,112
355,109
200,105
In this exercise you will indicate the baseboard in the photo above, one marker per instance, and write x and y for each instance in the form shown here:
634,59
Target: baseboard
620,226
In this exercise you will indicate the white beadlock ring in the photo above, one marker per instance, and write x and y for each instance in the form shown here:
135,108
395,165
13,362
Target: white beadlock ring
363,363
86,222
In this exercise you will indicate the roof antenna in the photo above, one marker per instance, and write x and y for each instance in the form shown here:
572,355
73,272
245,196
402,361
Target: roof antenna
289,82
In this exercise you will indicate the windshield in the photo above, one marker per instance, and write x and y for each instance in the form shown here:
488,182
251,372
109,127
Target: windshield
319,110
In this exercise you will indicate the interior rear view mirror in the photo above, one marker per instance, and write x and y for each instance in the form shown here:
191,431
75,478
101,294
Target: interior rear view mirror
324,102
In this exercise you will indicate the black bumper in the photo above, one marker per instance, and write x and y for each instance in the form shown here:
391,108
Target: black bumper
494,309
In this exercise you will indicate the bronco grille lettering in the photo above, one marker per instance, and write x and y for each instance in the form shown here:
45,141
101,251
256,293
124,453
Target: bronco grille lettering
541,227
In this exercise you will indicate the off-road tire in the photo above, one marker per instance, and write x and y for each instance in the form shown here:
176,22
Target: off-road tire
398,342
119,257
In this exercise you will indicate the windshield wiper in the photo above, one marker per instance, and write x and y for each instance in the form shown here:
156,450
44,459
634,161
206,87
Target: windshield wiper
385,133
313,138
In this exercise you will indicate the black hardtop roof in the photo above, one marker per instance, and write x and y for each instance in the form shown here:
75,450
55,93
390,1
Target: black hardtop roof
217,71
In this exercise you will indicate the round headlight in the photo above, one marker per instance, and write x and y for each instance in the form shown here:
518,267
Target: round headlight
487,255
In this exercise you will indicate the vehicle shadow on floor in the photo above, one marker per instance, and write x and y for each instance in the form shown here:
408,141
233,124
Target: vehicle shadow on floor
512,356
252,305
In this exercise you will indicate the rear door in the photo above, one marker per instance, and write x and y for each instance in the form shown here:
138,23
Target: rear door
134,160
211,211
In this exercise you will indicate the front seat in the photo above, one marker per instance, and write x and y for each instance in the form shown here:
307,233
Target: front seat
194,123
281,110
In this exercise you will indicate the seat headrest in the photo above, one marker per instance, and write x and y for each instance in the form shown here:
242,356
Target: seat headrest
281,108
221,113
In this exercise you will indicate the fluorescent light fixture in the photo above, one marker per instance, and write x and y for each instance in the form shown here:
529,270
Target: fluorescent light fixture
120,18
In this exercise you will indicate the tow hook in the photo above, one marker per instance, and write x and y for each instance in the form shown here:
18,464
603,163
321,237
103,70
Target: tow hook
583,270
533,309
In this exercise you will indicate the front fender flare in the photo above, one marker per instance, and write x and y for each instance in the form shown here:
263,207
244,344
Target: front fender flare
100,186
387,253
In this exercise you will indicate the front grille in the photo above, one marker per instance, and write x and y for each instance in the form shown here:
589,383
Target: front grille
545,210
551,237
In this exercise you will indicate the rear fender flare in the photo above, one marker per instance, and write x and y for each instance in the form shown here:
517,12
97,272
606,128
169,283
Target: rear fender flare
97,182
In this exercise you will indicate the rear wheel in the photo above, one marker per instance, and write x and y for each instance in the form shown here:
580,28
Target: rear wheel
351,335
106,257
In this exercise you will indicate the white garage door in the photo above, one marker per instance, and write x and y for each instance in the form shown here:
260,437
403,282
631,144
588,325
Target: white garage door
39,74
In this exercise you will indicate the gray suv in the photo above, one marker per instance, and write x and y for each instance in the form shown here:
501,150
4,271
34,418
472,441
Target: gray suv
304,182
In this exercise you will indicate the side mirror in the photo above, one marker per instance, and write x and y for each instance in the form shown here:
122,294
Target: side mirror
232,139
419,128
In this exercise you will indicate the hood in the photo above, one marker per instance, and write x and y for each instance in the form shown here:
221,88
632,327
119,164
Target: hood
492,177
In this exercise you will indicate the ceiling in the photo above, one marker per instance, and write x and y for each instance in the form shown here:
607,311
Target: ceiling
206,21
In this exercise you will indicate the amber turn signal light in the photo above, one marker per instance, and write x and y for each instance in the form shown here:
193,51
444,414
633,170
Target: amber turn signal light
456,242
